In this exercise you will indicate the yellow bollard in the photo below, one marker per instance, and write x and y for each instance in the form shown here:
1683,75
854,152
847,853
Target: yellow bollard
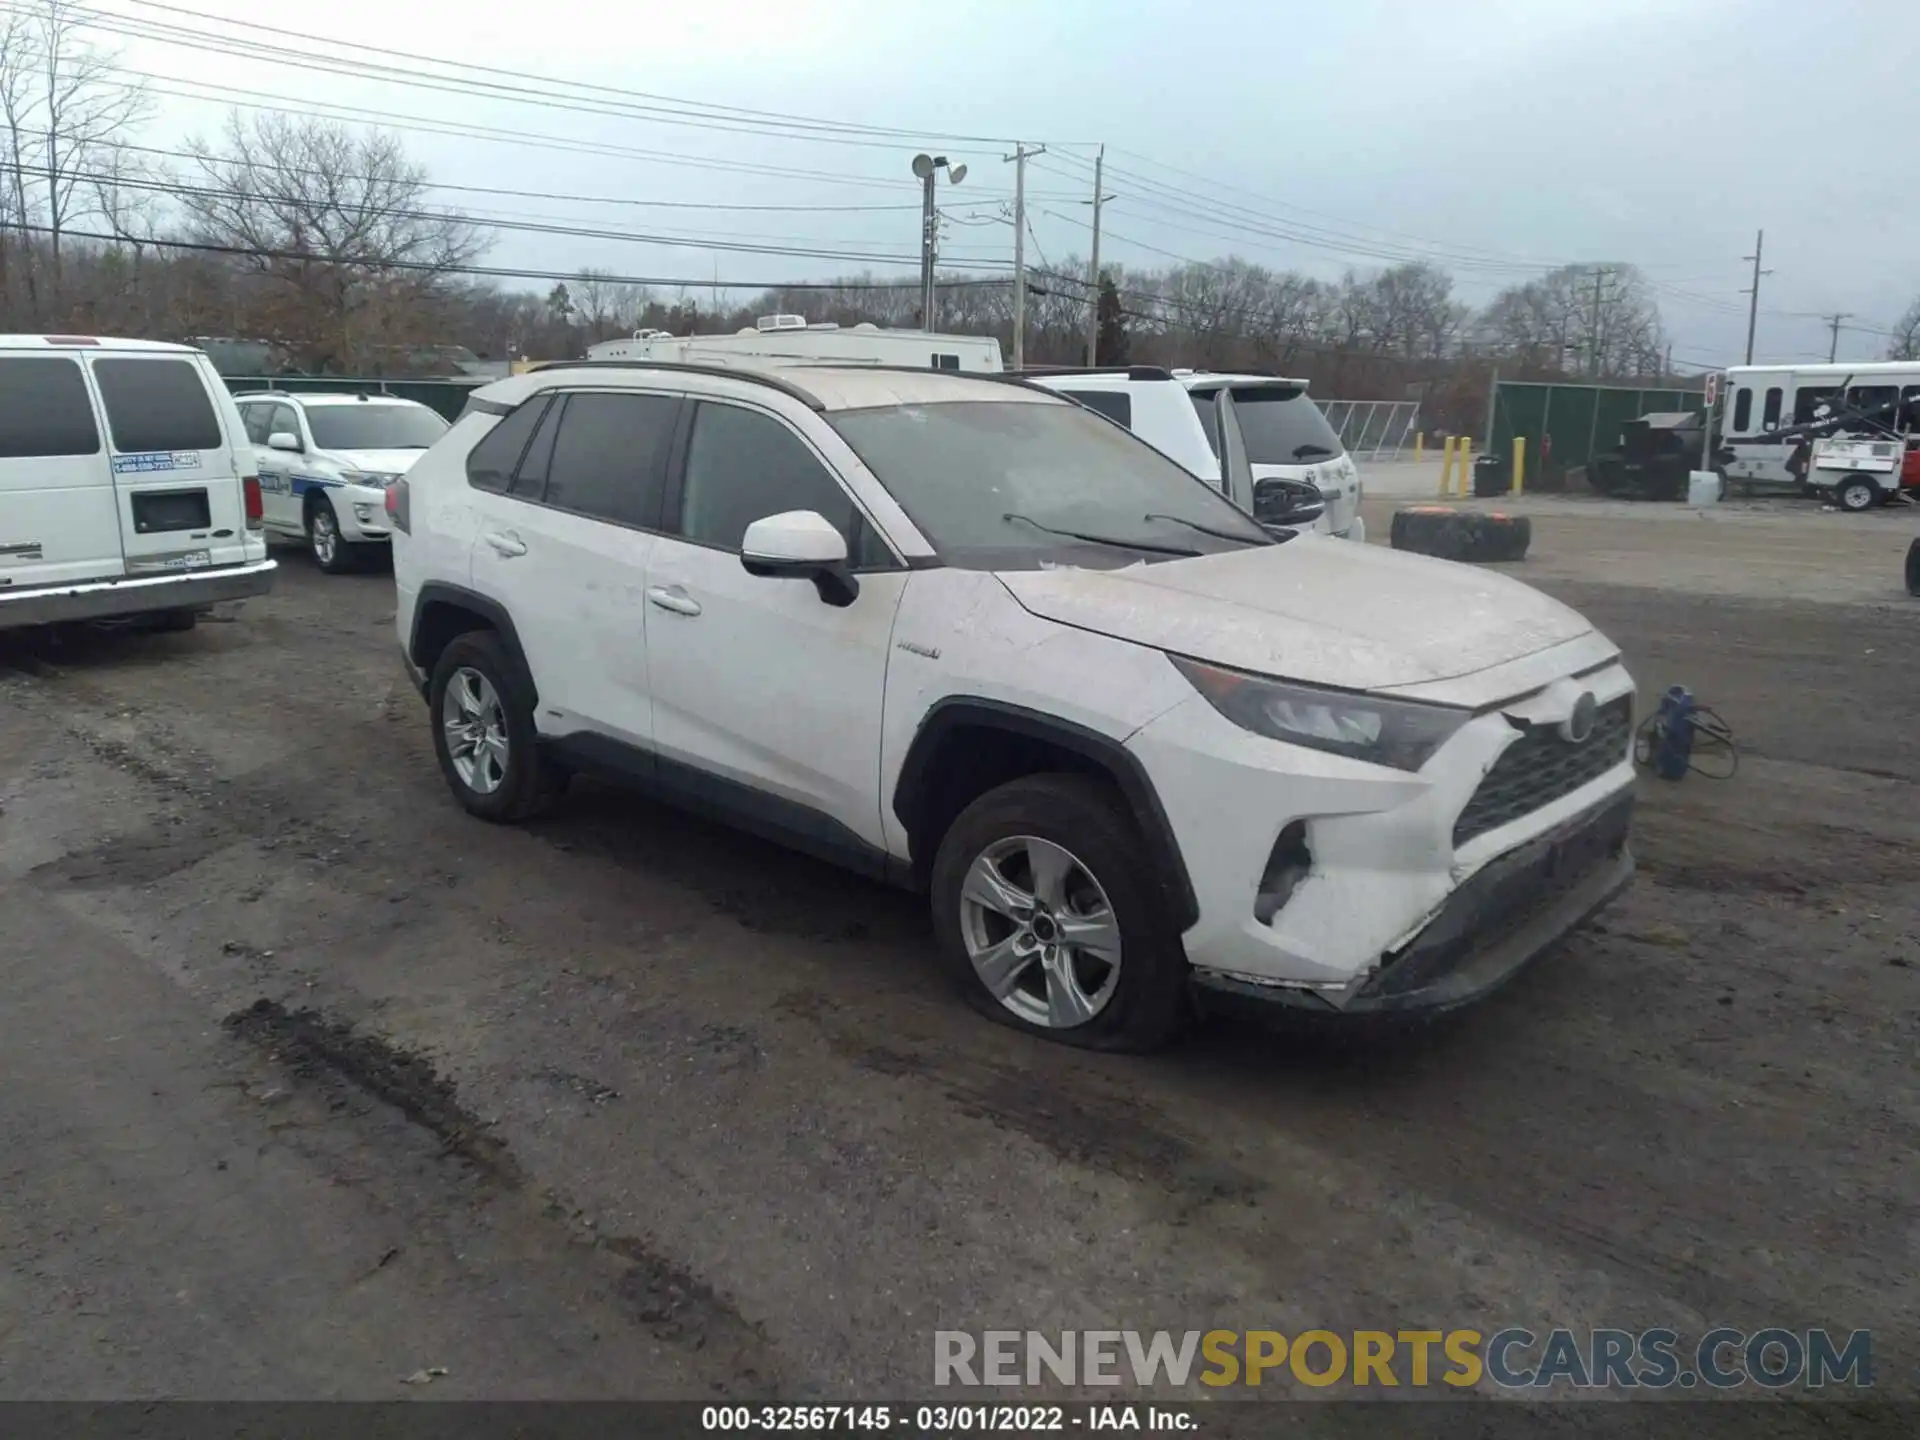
1419,445
1519,463
1446,466
1466,468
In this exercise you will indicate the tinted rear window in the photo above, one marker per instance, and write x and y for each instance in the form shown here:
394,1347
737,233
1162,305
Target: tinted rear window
1114,404
44,409
1283,426
491,464
157,405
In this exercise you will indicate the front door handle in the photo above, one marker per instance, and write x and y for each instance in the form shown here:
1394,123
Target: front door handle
507,544
672,597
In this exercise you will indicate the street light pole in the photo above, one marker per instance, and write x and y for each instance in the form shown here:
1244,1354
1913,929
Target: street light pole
928,168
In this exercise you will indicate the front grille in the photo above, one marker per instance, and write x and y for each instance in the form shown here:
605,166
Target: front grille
1540,767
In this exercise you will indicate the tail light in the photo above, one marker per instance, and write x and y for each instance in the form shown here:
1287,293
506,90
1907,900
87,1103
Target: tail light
250,489
398,509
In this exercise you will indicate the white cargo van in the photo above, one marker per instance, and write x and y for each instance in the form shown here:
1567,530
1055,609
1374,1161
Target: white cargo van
127,485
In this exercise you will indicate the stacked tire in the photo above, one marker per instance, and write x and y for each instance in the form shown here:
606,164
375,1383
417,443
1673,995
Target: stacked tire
1478,536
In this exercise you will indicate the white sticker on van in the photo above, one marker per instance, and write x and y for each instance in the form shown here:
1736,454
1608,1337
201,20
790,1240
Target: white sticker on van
151,460
178,560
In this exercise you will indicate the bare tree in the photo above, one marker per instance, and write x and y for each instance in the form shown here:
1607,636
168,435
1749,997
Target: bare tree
1601,318
65,106
358,266
1904,343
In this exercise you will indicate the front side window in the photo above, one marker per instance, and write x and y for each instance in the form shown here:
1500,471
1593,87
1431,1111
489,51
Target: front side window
157,405
373,426
1742,409
44,409
285,421
258,420
1021,484
743,466
1770,412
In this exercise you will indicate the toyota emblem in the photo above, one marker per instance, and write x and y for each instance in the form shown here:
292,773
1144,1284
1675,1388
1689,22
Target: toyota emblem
1577,728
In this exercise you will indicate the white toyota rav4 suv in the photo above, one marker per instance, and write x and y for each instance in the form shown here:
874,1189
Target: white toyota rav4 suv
962,634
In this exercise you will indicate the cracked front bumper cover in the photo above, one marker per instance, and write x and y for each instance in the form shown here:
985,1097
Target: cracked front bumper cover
1517,906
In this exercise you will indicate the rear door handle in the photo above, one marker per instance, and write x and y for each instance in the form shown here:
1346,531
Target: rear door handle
507,544
672,597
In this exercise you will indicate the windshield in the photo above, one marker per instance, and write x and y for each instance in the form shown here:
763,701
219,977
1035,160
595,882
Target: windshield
1012,485
374,427
1281,424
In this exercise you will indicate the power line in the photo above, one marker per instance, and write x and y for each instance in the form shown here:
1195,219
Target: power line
637,100
493,271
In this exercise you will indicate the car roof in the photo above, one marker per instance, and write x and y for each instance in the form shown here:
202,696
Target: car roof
93,344
821,385
329,397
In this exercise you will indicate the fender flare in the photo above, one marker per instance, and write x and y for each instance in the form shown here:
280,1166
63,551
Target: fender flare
1108,755
441,592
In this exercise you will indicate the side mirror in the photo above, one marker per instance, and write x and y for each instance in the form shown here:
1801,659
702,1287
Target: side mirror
801,544
1288,504
283,440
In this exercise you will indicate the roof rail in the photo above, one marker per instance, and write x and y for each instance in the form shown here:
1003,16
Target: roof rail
1132,372
725,372
998,377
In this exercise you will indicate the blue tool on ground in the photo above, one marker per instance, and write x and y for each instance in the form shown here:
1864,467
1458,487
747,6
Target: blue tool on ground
1676,737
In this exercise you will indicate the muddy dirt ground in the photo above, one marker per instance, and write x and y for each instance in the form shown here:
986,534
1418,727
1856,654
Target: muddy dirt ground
310,1084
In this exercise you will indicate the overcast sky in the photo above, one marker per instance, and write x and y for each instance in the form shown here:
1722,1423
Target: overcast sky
1494,136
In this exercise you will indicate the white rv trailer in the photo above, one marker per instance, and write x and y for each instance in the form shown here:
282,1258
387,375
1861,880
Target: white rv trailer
1763,399
790,340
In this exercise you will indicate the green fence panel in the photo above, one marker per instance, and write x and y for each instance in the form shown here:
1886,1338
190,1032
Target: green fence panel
1566,425
446,397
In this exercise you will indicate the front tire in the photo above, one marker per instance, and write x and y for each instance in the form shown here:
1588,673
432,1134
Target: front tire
483,733
324,542
1045,910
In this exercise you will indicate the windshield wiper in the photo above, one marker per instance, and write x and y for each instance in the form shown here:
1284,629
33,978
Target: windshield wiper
1262,539
1301,452
1146,545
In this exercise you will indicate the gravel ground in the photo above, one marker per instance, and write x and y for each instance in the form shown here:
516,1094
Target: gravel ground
311,1085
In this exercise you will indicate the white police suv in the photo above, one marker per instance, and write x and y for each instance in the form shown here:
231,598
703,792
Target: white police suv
326,462
962,634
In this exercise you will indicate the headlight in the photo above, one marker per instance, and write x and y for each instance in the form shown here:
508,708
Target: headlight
376,479
1399,733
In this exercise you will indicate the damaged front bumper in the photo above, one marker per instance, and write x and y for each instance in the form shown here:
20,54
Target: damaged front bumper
1514,908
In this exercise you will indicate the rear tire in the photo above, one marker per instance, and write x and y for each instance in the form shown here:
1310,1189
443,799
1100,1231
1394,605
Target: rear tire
483,732
1032,863
176,621
329,550
1856,494
1913,568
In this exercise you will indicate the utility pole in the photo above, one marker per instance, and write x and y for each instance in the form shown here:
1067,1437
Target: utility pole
928,222
1593,330
1093,266
1753,304
1021,154
1833,324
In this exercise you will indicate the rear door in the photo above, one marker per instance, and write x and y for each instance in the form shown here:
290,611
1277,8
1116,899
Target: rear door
176,471
59,522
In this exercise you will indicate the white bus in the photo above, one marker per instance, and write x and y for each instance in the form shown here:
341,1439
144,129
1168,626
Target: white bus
790,340
1763,399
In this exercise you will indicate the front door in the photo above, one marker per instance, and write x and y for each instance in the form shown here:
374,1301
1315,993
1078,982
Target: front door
766,698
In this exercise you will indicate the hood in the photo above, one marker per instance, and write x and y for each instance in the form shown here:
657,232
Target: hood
1321,611
379,462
